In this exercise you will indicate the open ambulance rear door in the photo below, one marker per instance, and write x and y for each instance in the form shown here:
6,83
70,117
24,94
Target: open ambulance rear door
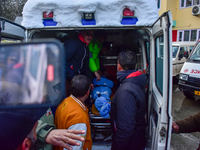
160,84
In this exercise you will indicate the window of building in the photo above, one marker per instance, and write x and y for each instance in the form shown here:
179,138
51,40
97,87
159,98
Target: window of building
188,35
188,3
158,3
193,35
196,2
180,36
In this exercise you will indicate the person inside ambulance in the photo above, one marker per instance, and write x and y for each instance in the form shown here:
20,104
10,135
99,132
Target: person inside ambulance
77,59
77,55
95,46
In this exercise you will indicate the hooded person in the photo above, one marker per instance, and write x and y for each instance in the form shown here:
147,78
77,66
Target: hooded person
128,106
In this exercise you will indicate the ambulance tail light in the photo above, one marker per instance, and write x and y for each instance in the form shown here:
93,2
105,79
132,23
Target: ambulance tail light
128,17
48,19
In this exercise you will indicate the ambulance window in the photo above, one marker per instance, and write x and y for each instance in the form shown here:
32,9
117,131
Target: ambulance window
35,57
191,47
193,35
186,35
159,48
183,49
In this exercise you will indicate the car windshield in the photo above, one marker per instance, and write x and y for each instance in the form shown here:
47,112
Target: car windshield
196,53
174,51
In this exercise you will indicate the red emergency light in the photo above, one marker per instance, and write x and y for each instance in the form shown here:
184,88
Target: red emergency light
128,17
128,13
48,19
47,14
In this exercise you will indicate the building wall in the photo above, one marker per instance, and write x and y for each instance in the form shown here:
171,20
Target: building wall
182,18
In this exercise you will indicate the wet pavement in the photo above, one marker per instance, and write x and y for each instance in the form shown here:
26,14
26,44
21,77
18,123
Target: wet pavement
182,108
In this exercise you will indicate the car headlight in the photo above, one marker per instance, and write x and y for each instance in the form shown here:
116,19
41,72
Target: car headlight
183,77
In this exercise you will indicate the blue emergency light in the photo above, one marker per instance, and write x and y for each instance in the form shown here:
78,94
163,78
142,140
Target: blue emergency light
88,19
129,21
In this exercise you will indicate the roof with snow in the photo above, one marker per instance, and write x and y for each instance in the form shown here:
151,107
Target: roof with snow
68,13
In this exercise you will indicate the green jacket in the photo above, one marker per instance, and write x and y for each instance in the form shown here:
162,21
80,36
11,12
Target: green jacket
95,46
45,125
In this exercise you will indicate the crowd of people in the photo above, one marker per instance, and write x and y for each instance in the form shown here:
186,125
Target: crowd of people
69,128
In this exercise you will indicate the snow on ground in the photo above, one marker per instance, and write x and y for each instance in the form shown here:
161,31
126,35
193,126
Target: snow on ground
67,13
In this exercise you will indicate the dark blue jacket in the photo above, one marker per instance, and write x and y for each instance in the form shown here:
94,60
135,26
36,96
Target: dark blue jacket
77,58
128,111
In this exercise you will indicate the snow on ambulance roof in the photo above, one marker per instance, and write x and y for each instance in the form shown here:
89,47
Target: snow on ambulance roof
68,13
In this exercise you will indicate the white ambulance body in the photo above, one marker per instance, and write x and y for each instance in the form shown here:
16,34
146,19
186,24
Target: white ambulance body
189,79
133,25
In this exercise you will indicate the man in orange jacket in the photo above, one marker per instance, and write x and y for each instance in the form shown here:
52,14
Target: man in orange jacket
72,112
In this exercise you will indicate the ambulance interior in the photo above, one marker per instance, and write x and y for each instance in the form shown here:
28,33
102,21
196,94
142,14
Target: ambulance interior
116,40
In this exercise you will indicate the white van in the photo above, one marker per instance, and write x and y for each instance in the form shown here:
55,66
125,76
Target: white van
180,53
189,78
132,25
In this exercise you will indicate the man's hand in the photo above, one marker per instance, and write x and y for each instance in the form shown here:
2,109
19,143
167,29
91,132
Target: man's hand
97,76
63,137
175,127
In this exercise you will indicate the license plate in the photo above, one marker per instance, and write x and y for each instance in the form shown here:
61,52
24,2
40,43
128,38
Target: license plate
197,93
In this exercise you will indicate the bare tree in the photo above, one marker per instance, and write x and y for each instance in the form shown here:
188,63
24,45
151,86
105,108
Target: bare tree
11,8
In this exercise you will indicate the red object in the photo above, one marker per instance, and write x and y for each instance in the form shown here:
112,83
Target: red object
81,38
128,12
47,15
50,73
174,35
135,74
18,65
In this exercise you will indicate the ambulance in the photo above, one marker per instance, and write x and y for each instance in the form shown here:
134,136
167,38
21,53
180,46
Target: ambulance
189,78
180,53
129,25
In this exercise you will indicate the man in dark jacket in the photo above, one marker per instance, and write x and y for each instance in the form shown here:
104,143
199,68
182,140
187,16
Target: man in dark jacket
77,55
128,105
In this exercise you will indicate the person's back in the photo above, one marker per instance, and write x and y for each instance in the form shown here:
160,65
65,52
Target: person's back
69,113
128,106
134,107
72,113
